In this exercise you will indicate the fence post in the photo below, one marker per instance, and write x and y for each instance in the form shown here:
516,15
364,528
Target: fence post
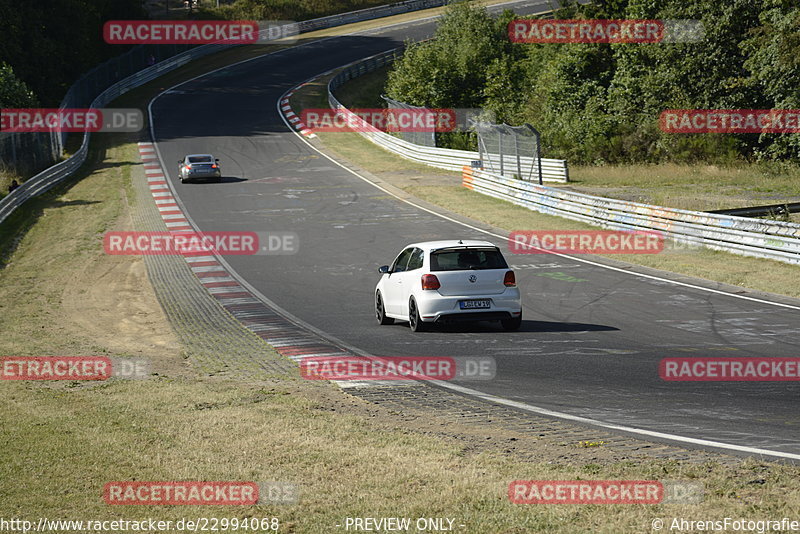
539,157
500,152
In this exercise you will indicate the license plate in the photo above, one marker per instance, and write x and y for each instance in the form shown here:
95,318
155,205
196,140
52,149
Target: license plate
473,304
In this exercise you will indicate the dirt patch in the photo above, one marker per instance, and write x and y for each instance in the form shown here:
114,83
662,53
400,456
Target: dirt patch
112,301
117,308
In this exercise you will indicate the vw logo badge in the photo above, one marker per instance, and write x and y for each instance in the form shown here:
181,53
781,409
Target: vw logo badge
473,278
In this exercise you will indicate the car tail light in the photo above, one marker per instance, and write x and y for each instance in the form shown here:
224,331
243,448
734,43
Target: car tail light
509,280
213,166
188,165
429,281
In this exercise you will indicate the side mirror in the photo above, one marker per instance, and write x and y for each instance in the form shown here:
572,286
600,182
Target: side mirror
180,162
383,269
216,161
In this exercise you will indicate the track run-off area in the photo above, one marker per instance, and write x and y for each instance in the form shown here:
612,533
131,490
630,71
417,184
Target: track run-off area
588,350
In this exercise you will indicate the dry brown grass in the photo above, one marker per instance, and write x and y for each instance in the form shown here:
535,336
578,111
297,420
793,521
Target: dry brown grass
60,443
691,187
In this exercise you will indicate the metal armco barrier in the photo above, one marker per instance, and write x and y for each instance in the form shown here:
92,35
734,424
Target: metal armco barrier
368,14
54,175
762,211
758,238
49,178
553,170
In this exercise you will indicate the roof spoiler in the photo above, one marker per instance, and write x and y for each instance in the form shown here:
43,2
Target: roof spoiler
456,247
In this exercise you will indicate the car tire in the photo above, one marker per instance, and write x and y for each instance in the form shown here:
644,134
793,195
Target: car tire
509,325
380,312
414,320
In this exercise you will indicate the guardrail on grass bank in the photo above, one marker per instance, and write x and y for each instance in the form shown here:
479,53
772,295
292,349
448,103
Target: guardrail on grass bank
775,240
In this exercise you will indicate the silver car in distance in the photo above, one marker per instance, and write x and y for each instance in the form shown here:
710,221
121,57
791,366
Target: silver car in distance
199,167
448,281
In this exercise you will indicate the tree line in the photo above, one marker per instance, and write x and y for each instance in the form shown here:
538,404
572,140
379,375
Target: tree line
48,44
599,103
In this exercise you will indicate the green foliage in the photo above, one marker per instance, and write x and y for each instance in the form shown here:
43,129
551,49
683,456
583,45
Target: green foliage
600,103
51,43
453,69
13,92
774,65
457,140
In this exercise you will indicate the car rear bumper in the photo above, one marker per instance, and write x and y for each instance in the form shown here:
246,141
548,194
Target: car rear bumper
433,307
473,316
204,176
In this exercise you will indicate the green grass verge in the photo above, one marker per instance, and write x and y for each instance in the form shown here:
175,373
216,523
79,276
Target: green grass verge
692,187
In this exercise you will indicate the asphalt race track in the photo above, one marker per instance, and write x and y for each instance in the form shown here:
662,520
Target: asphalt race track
589,348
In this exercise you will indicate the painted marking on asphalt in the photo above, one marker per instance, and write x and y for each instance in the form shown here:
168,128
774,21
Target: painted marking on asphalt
207,257
211,274
207,268
219,284
224,289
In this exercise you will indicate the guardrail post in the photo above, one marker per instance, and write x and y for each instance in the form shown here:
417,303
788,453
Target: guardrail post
500,152
539,158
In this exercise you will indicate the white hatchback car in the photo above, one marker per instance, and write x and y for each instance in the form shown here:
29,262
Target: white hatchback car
448,281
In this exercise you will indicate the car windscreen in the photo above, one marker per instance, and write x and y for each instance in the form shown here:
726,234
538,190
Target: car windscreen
200,159
466,259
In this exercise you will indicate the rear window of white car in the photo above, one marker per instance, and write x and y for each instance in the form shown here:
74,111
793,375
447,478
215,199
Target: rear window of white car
200,159
467,259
